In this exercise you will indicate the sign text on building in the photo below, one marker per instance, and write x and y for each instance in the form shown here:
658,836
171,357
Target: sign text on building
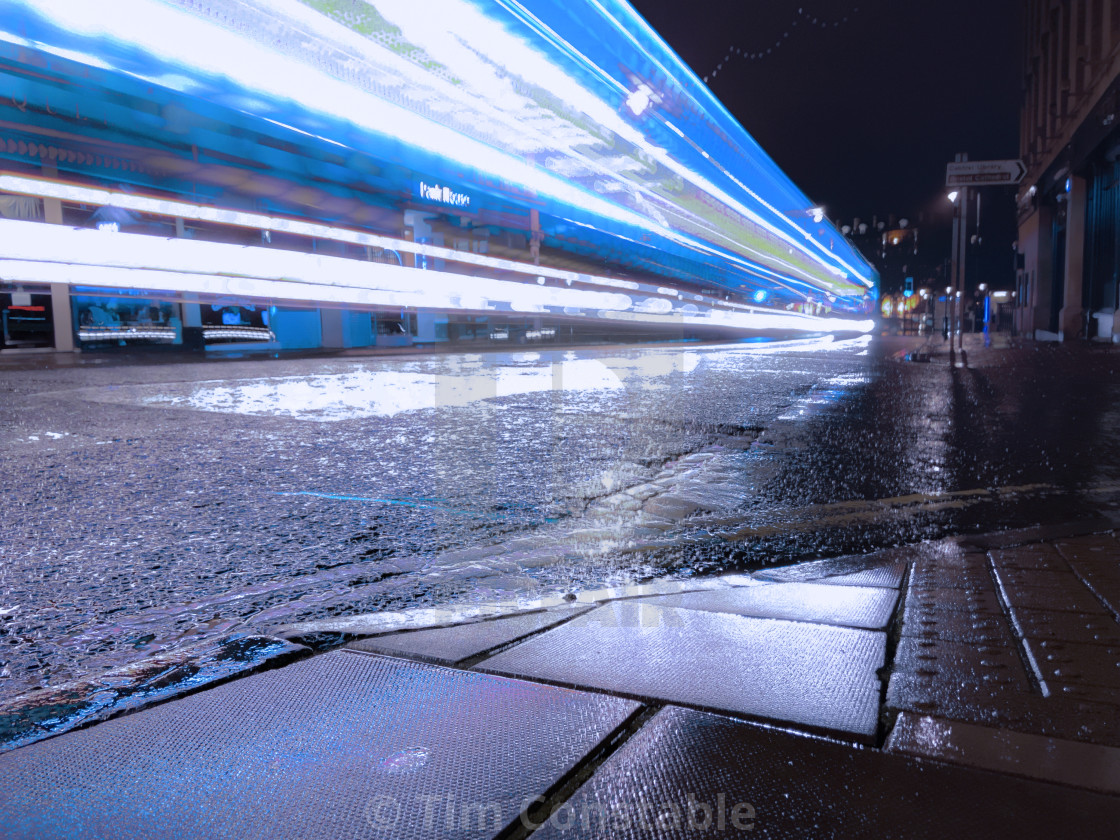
444,195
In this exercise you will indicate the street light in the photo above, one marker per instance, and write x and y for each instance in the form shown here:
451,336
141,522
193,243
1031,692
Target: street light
953,196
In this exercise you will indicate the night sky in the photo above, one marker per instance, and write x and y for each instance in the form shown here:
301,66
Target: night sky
864,108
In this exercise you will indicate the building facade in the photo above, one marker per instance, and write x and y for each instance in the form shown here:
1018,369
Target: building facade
1069,201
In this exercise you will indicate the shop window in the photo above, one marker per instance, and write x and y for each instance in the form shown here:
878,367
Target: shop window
235,322
120,322
26,319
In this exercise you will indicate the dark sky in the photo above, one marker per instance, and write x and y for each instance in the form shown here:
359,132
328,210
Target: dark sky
864,108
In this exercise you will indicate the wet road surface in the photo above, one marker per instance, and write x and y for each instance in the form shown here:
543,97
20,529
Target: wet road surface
148,506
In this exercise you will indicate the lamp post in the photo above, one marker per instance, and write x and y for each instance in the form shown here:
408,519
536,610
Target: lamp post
960,228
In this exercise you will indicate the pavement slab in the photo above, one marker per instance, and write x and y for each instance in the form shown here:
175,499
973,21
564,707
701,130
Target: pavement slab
1104,581
1073,763
812,674
450,645
1014,578
1069,596
1077,664
983,663
1058,626
1087,691
971,573
867,607
931,620
882,566
957,627
1038,556
992,704
1093,547
889,576
954,600
690,774
342,745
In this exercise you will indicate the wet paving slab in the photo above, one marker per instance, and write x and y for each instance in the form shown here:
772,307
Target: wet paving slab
343,745
816,675
690,774
955,625
1065,594
970,719
1073,663
979,663
1026,646
1051,625
1073,763
452,645
870,608
887,577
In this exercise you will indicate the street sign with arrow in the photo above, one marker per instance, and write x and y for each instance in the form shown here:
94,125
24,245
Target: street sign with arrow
980,173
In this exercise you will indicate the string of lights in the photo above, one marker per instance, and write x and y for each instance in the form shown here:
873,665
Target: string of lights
807,20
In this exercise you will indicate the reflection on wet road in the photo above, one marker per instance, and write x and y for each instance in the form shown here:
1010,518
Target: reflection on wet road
152,506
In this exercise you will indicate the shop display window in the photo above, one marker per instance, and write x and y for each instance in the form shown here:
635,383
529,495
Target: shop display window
113,321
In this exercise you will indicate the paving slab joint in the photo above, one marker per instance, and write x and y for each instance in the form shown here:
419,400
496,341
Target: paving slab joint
888,716
471,661
1088,584
543,807
1034,672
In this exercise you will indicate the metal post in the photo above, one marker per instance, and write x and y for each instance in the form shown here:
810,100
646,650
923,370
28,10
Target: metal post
963,262
954,270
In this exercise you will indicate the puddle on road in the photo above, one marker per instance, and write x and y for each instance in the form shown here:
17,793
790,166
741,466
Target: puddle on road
372,393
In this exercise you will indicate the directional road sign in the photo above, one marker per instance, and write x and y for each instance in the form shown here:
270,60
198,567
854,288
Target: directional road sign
979,173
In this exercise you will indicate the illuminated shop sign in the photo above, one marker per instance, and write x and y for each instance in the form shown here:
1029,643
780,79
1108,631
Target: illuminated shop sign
444,195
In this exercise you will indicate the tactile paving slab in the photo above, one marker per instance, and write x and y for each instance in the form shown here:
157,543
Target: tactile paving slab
961,600
812,674
848,606
1090,766
956,626
969,571
464,641
687,774
342,745
982,663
